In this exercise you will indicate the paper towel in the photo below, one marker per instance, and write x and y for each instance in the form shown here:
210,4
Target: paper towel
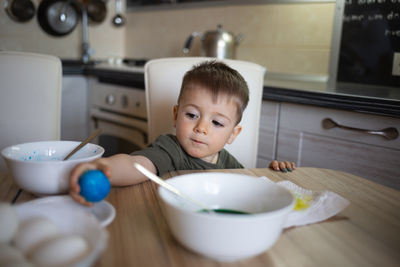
311,207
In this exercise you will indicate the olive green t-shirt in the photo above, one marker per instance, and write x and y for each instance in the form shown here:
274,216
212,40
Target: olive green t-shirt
168,155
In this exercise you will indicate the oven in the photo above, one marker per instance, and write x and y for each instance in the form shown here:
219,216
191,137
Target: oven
120,111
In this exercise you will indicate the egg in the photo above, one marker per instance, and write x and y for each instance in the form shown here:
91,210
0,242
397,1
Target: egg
60,251
11,256
94,185
8,222
33,231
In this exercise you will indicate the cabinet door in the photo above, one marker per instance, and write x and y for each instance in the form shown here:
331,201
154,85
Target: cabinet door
302,139
268,133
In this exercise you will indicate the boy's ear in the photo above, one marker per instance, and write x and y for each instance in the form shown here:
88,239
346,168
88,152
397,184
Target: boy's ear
236,131
175,114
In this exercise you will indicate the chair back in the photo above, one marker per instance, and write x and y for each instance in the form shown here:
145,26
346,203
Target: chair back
30,98
163,78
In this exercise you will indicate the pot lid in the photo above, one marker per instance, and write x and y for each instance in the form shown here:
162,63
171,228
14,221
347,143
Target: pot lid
96,10
20,10
62,17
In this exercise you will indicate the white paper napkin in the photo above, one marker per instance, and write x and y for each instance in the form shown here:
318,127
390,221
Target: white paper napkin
311,207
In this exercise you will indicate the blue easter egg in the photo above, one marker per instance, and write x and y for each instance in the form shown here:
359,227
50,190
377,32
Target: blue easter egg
95,186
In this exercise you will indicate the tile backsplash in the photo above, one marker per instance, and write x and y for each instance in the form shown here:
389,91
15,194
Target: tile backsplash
104,38
286,38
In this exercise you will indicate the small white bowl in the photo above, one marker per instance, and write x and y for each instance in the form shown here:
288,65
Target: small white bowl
38,167
227,237
69,220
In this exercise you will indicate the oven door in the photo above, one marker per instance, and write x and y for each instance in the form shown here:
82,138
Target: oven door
119,134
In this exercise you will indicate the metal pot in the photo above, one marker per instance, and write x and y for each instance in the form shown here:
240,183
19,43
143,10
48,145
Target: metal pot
217,43
96,10
20,10
57,17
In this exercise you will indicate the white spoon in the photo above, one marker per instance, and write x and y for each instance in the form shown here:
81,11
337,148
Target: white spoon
161,182
169,187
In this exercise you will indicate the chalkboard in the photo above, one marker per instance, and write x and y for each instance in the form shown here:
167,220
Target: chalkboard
369,46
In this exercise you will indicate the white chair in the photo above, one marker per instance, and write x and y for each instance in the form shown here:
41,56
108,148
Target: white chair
163,78
30,98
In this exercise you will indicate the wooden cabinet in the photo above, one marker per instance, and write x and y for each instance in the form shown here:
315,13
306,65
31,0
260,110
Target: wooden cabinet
301,138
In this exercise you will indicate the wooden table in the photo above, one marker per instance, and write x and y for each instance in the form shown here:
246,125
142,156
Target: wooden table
366,233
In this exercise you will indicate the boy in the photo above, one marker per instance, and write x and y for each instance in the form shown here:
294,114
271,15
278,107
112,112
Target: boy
210,106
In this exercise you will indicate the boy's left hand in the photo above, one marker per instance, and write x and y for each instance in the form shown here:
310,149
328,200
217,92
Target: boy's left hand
283,166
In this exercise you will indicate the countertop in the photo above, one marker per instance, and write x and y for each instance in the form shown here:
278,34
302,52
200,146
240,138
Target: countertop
313,91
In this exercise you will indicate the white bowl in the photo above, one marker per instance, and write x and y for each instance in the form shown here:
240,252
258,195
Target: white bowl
38,167
227,237
70,220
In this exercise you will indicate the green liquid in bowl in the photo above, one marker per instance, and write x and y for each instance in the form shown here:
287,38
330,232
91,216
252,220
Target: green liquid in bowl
226,211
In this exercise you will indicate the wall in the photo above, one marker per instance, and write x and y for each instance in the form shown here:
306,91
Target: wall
288,38
105,39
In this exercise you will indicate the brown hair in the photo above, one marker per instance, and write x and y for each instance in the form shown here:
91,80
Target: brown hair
218,78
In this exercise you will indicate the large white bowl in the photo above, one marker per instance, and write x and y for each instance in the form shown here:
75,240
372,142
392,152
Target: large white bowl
227,237
38,167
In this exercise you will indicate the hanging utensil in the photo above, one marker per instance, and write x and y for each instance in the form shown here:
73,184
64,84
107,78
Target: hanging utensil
20,10
57,17
96,10
118,19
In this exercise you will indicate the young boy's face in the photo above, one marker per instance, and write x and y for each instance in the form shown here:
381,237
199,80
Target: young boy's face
204,127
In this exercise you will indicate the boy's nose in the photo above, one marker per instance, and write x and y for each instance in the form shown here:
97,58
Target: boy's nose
201,127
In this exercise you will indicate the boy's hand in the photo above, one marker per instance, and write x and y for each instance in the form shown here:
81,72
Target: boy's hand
74,188
283,166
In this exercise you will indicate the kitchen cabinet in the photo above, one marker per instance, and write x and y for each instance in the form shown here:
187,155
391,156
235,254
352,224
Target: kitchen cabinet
299,136
74,108
267,140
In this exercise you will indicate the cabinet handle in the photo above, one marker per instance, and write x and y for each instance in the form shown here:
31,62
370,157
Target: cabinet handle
389,133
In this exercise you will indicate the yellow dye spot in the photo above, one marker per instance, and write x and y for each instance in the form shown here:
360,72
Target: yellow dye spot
302,202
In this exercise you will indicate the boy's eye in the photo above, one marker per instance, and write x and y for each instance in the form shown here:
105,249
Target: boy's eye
217,123
191,115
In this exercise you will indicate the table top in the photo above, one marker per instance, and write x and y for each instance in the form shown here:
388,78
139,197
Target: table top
366,233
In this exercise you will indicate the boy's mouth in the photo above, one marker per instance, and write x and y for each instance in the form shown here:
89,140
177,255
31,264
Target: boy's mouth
197,141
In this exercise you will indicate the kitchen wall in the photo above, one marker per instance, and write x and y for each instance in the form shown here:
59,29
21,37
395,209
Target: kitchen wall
104,38
286,38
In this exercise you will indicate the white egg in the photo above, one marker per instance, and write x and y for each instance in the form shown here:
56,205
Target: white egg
60,251
12,257
31,232
8,222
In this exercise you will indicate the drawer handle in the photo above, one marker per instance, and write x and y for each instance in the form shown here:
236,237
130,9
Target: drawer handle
389,133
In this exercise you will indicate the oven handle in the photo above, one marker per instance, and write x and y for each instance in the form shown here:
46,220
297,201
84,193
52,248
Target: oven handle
120,119
111,121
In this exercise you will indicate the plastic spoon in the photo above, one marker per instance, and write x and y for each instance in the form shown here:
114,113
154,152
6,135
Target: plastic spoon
161,182
84,142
